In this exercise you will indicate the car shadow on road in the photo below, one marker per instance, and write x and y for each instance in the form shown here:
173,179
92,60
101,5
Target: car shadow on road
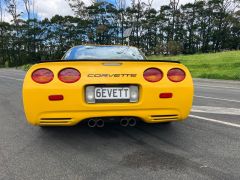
108,129
111,133
149,146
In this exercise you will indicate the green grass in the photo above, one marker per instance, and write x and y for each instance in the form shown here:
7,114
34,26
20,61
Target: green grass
222,65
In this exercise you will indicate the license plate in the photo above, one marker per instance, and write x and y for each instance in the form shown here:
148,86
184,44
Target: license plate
112,93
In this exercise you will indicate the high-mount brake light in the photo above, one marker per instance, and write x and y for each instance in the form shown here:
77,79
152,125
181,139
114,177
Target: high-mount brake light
69,75
153,75
176,75
42,76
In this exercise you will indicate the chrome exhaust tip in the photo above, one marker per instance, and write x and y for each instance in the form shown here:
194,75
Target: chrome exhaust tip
100,123
92,123
124,122
132,122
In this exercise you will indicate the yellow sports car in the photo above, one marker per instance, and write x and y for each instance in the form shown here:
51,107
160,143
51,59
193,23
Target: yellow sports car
99,84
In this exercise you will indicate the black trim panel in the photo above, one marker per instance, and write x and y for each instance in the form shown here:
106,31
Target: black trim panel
117,60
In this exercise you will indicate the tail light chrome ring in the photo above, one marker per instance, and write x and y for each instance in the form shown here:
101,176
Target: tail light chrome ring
69,75
176,75
153,75
42,76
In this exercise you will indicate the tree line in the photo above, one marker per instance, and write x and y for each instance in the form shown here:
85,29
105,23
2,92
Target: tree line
202,26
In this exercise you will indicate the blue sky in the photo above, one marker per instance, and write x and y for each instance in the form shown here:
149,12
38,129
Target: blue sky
48,8
110,1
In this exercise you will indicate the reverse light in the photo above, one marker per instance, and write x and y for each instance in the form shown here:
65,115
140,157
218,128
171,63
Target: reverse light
69,75
42,76
134,95
90,94
153,75
176,75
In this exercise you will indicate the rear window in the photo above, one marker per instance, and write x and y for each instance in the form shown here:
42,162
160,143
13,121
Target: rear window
104,53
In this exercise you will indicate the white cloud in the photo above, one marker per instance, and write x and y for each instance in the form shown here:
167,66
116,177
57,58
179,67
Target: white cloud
157,3
49,8
7,17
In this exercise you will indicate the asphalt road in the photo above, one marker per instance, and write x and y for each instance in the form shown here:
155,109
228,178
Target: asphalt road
206,146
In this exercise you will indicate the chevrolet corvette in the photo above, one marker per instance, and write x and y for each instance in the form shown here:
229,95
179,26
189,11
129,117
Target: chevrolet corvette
99,84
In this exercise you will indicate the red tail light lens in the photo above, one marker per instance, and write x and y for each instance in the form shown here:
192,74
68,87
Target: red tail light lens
42,76
176,75
153,75
69,75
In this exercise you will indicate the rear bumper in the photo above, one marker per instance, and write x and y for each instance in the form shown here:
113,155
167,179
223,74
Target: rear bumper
73,109
74,117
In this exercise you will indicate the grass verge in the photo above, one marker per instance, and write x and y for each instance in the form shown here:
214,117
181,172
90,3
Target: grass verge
222,65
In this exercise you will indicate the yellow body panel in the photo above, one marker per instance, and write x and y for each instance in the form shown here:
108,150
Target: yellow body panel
74,109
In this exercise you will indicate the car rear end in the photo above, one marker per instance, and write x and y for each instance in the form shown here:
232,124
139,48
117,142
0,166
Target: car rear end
68,92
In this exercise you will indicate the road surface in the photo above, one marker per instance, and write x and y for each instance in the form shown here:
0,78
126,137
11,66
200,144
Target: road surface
206,146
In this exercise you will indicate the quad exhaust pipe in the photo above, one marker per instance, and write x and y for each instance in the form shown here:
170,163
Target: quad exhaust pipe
95,123
92,123
100,123
125,121
128,122
132,122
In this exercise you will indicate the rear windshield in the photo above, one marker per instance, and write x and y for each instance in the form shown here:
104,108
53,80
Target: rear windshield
104,53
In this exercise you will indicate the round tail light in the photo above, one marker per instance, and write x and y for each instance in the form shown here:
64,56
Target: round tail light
153,75
176,75
42,76
69,75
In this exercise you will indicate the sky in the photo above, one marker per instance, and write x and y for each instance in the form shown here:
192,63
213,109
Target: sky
49,8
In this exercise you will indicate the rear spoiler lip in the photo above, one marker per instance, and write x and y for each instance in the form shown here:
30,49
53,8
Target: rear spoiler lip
117,60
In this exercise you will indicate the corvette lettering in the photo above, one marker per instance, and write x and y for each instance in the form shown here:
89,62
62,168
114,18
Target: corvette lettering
112,75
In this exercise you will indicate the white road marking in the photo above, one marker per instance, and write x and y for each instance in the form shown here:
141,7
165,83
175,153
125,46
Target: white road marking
7,77
216,110
221,99
216,121
230,87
